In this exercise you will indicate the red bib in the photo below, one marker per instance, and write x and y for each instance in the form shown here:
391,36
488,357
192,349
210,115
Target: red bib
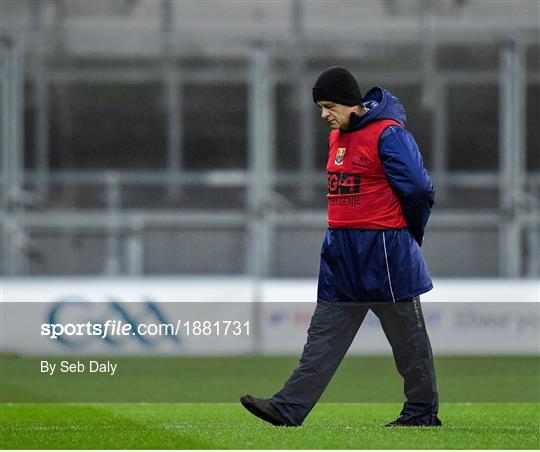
359,195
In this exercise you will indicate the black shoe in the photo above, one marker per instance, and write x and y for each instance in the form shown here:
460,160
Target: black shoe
418,421
262,408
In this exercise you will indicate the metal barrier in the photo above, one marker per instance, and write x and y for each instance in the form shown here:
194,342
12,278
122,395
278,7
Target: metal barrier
516,219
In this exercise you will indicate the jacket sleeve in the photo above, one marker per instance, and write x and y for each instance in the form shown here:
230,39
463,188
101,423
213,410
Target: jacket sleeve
404,169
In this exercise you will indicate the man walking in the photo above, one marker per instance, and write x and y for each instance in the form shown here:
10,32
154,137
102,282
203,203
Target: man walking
379,200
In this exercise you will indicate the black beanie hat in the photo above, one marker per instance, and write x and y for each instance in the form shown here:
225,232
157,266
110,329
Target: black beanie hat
337,84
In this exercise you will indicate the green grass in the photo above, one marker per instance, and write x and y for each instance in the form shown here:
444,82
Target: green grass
229,426
501,424
224,379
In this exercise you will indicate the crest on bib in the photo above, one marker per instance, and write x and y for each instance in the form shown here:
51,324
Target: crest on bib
340,155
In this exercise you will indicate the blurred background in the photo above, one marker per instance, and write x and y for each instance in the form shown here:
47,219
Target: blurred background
147,137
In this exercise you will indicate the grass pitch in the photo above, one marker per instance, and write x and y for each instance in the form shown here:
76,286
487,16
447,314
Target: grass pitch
229,426
502,409
360,379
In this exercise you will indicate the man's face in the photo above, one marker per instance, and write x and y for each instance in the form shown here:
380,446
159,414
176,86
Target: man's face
336,115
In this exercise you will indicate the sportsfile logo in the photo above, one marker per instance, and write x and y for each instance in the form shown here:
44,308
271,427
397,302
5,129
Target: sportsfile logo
75,324
108,329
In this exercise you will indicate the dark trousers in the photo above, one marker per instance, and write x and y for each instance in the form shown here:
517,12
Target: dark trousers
330,334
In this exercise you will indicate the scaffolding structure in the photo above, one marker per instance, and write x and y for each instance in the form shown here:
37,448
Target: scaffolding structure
517,218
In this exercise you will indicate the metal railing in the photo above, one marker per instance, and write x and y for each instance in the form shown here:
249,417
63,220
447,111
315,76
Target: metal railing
518,210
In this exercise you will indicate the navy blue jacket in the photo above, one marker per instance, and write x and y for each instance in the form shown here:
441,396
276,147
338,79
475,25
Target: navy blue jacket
371,266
